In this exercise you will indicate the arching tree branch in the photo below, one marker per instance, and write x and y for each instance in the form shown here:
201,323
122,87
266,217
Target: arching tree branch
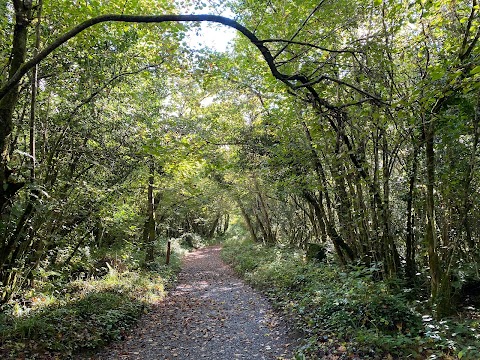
15,78
289,80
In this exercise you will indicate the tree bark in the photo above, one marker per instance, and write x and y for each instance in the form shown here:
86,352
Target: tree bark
410,267
149,233
430,235
8,101
248,221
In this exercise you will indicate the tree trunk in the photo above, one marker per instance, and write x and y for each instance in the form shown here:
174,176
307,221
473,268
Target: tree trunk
248,221
8,188
410,267
392,256
343,203
362,222
341,247
265,222
467,184
430,236
211,232
149,233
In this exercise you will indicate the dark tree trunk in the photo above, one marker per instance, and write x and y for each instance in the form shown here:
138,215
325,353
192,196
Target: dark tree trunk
430,236
211,232
410,267
472,166
9,188
149,233
248,221
341,247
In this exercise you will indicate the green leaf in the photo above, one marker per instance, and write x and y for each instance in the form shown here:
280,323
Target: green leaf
475,70
437,74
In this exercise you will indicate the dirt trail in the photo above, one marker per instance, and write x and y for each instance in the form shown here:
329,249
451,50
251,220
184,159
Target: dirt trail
210,315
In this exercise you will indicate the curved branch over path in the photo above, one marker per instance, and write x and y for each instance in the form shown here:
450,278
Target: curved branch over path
149,19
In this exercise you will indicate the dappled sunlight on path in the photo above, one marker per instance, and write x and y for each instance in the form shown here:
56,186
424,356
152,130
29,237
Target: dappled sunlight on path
210,315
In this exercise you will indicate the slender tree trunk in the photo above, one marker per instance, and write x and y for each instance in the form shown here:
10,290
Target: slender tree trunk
467,188
226,223
377,245
211,232
248,221
34,87
261,227
343,203
410,268
149,234
77,247
430,235
38,246
341,247
265,222
362,221
392,256
322,179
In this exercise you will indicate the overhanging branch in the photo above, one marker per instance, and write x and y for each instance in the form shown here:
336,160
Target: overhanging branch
15,78
289,80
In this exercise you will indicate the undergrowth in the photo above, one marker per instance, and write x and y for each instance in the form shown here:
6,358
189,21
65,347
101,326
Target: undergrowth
346,313
63,315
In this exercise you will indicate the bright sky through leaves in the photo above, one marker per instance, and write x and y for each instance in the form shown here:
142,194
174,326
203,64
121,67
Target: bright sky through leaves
214,36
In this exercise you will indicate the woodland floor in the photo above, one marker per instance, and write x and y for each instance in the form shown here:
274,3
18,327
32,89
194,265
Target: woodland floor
211,314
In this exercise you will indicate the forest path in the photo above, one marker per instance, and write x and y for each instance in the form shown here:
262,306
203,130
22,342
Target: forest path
210,315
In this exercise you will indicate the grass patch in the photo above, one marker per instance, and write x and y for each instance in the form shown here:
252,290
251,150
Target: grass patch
349,314
61,317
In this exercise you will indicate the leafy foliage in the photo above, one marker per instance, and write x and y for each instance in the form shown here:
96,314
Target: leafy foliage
350,307
66,317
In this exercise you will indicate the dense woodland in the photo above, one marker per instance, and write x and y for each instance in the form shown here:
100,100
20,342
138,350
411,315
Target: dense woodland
354,125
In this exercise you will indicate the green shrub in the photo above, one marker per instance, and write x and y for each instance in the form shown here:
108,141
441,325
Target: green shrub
327,302
88,322
85,313
334,306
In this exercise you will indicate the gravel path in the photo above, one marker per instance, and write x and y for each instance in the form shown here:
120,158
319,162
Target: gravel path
210,315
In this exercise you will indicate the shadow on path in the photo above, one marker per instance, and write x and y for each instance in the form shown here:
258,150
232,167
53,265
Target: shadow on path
210,315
